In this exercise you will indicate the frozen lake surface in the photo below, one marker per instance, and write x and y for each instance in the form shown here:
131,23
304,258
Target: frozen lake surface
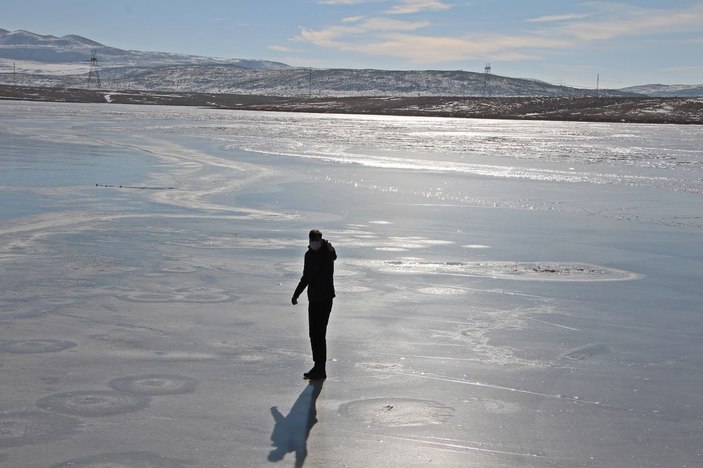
508,293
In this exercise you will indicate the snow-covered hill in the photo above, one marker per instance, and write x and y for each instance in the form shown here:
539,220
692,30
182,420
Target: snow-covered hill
660,90
301,82
32,59
25,46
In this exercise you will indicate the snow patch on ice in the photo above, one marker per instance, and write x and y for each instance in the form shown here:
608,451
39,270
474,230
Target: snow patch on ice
587,352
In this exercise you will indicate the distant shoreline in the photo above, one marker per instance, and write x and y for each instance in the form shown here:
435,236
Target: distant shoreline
651,110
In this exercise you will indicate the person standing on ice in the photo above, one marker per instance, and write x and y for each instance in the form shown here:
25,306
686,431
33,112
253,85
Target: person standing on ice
318,277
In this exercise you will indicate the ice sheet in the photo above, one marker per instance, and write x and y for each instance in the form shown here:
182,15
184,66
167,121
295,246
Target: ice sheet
509,293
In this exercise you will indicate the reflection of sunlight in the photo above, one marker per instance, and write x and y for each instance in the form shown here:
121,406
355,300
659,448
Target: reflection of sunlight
290,434
526,271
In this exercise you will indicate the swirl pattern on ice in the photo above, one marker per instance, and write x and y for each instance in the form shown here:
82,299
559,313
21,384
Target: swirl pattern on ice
155,384
397,412
93,403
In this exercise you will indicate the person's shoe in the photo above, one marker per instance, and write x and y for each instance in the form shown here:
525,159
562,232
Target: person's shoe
315,374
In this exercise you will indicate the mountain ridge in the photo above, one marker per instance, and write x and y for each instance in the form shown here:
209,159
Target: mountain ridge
46,60
29,46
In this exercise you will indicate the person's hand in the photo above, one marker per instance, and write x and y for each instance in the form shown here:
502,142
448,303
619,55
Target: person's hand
294,301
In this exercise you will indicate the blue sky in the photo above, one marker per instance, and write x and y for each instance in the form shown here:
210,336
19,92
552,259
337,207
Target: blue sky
559,41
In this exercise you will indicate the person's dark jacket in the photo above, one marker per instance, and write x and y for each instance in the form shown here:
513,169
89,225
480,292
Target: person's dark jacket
318,273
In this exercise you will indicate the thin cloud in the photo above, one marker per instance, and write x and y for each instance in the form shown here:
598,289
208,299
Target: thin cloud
557,18
546,35
695,68
328,37
401,7
427,49
636,22
342,36
280,48
386,24
346,2
424,49
405,7
352,19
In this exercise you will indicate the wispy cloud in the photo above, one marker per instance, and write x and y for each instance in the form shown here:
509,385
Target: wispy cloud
346,2
343,36
280,48
400,7
428,49
557,18
387,24
385,35
695,68
635,21
404,7
352,19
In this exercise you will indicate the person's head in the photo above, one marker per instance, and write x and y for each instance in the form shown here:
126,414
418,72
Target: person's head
315,239
315,235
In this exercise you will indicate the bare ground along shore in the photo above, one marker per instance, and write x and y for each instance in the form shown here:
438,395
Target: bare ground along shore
588,109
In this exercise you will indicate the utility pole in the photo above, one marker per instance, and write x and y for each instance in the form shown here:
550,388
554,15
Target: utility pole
487,76
94,69
598,85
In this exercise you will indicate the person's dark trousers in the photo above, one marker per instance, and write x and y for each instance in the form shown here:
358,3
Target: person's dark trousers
318,317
